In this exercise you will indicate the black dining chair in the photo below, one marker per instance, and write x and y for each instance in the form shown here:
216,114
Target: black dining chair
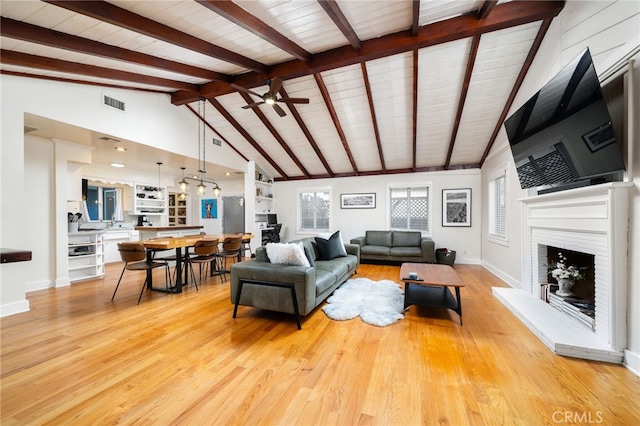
134,256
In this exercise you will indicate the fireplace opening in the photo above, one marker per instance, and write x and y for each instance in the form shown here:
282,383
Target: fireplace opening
580,303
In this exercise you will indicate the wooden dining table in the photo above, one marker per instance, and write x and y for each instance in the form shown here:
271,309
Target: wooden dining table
178,243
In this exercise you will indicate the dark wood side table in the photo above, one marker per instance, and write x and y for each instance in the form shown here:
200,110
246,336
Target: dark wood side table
431,287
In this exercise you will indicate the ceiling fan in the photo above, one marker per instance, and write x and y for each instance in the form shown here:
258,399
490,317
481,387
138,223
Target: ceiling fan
271,97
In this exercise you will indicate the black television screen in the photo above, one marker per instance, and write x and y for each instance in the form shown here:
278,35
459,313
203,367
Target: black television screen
564,134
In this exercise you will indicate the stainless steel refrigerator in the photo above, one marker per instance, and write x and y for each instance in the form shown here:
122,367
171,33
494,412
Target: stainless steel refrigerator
232,214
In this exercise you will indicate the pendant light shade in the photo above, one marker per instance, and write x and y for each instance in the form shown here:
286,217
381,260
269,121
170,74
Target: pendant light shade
184,185
159,194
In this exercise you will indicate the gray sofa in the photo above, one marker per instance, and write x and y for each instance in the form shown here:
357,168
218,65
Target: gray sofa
290,289
396,246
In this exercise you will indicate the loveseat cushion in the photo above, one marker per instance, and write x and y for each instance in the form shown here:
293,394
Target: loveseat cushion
378,238
406,252
375,250
406,239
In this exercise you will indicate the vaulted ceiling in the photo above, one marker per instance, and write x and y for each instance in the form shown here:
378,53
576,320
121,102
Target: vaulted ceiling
394,86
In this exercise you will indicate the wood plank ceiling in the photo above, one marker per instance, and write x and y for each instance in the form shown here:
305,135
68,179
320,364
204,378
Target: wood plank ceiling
395,86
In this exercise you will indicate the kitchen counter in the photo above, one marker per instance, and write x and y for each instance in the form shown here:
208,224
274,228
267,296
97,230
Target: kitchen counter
148,232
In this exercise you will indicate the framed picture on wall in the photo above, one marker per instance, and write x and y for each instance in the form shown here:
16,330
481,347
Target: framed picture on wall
209,208
456,207
358,201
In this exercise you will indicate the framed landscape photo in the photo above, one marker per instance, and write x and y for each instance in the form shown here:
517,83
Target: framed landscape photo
358,201
456,207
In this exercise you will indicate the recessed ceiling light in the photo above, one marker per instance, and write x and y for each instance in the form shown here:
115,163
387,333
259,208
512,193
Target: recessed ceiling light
120,148
117,165
228,174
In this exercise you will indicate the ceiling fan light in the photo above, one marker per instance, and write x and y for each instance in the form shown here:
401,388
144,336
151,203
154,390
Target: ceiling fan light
270,101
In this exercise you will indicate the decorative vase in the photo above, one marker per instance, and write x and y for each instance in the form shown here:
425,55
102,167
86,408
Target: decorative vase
565,286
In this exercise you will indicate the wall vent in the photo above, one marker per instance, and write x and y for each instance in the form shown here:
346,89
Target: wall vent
217,142
113,102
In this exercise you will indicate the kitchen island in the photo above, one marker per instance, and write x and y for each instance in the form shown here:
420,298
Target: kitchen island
149,232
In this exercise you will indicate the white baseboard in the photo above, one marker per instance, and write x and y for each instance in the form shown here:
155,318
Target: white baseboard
508,279
14,308
37,285
632,362
468,261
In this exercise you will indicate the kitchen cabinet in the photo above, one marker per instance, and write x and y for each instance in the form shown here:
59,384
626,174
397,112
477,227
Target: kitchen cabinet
177,210
111,240
150,200
148,232
86,255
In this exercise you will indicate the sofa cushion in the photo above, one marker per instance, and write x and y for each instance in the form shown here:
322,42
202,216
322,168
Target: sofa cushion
378,238
406,252
375,250
325,278
331,248
287,254
406,239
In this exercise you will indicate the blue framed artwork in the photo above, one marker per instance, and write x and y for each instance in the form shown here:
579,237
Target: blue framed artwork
209,208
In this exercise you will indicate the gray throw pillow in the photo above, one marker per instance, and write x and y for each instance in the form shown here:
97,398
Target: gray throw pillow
307,253
331,248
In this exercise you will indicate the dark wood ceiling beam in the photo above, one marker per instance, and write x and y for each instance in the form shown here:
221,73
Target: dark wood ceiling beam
249,100
218,106
473,52
332,9
118,16
393,171
206,123
415,18
35,34
486,8
374,120
516,87
414,115
503,16
336,121
244,19
307,133
58,65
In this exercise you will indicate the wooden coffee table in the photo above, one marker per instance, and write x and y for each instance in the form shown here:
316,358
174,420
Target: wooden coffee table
431,288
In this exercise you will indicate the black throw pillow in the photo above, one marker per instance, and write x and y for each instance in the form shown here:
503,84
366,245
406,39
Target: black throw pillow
331,248
307,253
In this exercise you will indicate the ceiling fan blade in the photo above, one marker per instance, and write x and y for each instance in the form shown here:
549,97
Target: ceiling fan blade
294,100
253,105
279,110
242,89
276,84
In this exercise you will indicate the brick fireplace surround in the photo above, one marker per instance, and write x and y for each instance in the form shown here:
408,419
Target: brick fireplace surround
591,220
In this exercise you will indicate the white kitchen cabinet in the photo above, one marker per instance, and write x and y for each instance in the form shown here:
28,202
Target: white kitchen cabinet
86,255
111,240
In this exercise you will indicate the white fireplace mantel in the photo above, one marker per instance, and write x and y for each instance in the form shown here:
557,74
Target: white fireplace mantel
593,220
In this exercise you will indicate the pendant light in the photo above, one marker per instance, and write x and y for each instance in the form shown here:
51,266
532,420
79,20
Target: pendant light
159,195
184,185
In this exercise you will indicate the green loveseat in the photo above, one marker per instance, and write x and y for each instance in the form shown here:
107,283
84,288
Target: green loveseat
271,286
396,246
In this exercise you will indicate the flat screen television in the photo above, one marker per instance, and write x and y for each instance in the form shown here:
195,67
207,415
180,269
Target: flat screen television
563,136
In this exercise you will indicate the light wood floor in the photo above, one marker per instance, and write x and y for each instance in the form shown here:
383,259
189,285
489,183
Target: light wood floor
76,358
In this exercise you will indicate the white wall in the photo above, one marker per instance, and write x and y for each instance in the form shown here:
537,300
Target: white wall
611,30
354,222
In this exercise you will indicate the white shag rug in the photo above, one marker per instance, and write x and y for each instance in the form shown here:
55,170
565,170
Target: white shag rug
378,303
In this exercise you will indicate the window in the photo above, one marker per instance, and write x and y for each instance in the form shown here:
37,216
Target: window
409,208
314,209
103,203
498,206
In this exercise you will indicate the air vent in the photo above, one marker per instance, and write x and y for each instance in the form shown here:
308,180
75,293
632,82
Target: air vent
217,142
108,138
112,102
